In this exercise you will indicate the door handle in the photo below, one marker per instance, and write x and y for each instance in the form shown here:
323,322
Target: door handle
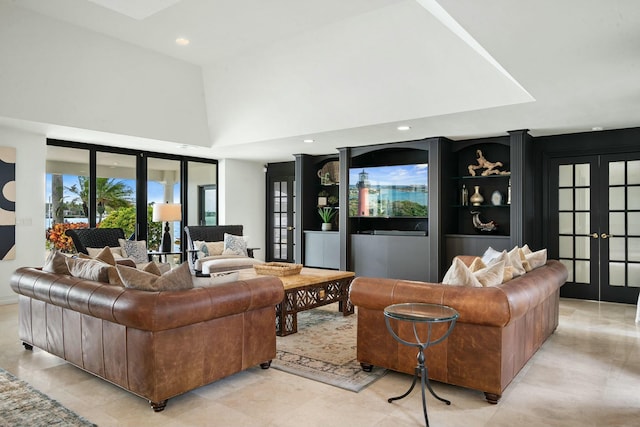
605,235
594,235
289,228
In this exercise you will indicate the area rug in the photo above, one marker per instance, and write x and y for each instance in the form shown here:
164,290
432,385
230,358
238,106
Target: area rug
22,405
324,349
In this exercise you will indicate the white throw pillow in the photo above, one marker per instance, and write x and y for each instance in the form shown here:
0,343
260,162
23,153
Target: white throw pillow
460,275
492,275
516,262
234,245
489,255
536,259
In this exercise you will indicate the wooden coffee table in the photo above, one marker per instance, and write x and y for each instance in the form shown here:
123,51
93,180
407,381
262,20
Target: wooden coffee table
313,287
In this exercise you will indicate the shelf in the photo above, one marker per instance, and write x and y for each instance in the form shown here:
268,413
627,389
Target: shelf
481,177
482,206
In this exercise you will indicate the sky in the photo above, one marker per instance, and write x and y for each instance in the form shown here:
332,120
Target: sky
393,175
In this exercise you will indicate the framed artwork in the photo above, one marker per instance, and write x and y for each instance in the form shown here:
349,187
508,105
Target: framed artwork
7,203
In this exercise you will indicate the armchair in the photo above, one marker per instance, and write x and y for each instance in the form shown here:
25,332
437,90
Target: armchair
84,238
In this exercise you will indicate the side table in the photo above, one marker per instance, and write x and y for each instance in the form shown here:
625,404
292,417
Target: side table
421,313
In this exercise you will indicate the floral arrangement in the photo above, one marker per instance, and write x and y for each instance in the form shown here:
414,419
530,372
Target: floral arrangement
57,239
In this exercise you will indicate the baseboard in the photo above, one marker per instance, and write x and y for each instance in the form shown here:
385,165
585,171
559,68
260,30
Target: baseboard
9,300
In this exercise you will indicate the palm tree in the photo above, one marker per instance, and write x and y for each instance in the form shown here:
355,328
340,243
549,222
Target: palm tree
110,194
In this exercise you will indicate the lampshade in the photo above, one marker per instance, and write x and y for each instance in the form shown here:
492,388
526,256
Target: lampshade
167,212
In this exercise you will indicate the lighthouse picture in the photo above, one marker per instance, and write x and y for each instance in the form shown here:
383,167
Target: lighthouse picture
389,191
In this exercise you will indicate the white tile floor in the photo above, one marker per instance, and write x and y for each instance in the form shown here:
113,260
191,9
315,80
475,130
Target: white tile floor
586,374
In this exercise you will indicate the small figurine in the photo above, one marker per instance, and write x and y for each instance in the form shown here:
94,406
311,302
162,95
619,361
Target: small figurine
490,168
486,227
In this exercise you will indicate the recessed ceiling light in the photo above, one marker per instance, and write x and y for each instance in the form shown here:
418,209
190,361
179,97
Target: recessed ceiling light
403,127
181,41
597,128
308,141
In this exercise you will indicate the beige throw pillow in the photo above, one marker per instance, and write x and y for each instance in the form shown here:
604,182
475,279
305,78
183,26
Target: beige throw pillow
477,264
492,275
89,269
516,262
93,252
460,275
536,259
177,279
56,263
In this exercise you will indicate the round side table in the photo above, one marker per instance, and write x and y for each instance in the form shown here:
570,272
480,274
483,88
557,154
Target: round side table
416,313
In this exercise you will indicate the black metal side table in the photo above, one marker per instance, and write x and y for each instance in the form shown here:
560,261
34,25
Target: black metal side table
421,313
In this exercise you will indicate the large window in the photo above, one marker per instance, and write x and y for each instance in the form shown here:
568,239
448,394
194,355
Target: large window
97,186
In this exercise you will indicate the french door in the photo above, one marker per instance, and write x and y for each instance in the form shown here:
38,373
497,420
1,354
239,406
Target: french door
281,218
594,225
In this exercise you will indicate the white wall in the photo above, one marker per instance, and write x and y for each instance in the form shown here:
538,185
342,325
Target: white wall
55,73
30,207
242,199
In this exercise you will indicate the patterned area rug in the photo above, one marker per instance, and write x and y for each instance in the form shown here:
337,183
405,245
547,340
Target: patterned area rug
324,349
22,405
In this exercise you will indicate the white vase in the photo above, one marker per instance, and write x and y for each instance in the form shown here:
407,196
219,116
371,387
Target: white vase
326,226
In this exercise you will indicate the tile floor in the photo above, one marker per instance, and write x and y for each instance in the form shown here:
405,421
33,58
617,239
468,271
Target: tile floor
587,374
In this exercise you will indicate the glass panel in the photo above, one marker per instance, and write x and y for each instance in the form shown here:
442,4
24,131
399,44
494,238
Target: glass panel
116,191
276,220
633,224
633,172
283,235
583,247
582,199
616,173
583,221
67,172
163,186
202,184
566,246
616,273
565,225
565,199
633,249
283,220
616,249
569,265
565,176
276,188
634,275
616,199
616,223
633,198
582,271
276,252
583,175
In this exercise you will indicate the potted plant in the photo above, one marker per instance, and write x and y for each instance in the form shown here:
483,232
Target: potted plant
326,213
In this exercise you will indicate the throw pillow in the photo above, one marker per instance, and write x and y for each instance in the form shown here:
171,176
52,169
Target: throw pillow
234,245
56,263
460,275
516,262
152,268
508,274
174,280
134,249
106,256
89,269
492,275
477,264
212,248
536,259
489,255
93,252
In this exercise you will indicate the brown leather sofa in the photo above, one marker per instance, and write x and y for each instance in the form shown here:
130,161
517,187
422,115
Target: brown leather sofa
498,331
156,345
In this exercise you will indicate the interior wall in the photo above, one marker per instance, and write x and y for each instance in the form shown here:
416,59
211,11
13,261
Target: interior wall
242,199
30,206
55,73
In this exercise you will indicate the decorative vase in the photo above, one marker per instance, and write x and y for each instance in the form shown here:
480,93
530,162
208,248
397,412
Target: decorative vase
326,226
476,198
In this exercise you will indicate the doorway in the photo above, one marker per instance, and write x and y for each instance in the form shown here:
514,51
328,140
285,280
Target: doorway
280,213
594,225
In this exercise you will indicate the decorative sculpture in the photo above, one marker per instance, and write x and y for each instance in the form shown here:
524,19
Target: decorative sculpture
486,227
490,168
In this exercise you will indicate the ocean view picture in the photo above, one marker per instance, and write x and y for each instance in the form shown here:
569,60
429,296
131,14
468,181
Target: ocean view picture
389,191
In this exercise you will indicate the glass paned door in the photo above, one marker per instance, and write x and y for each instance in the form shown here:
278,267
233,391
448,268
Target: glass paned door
594,227
282,218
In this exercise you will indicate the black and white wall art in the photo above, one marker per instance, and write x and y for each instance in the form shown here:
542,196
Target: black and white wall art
7,203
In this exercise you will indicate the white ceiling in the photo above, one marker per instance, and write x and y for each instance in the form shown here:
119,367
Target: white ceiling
471,69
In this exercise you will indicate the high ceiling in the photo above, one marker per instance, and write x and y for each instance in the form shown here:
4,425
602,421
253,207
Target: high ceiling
348,72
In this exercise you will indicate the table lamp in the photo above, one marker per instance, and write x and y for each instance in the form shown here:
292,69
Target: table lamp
166,212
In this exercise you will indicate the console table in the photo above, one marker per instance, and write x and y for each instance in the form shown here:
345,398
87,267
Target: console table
417,313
